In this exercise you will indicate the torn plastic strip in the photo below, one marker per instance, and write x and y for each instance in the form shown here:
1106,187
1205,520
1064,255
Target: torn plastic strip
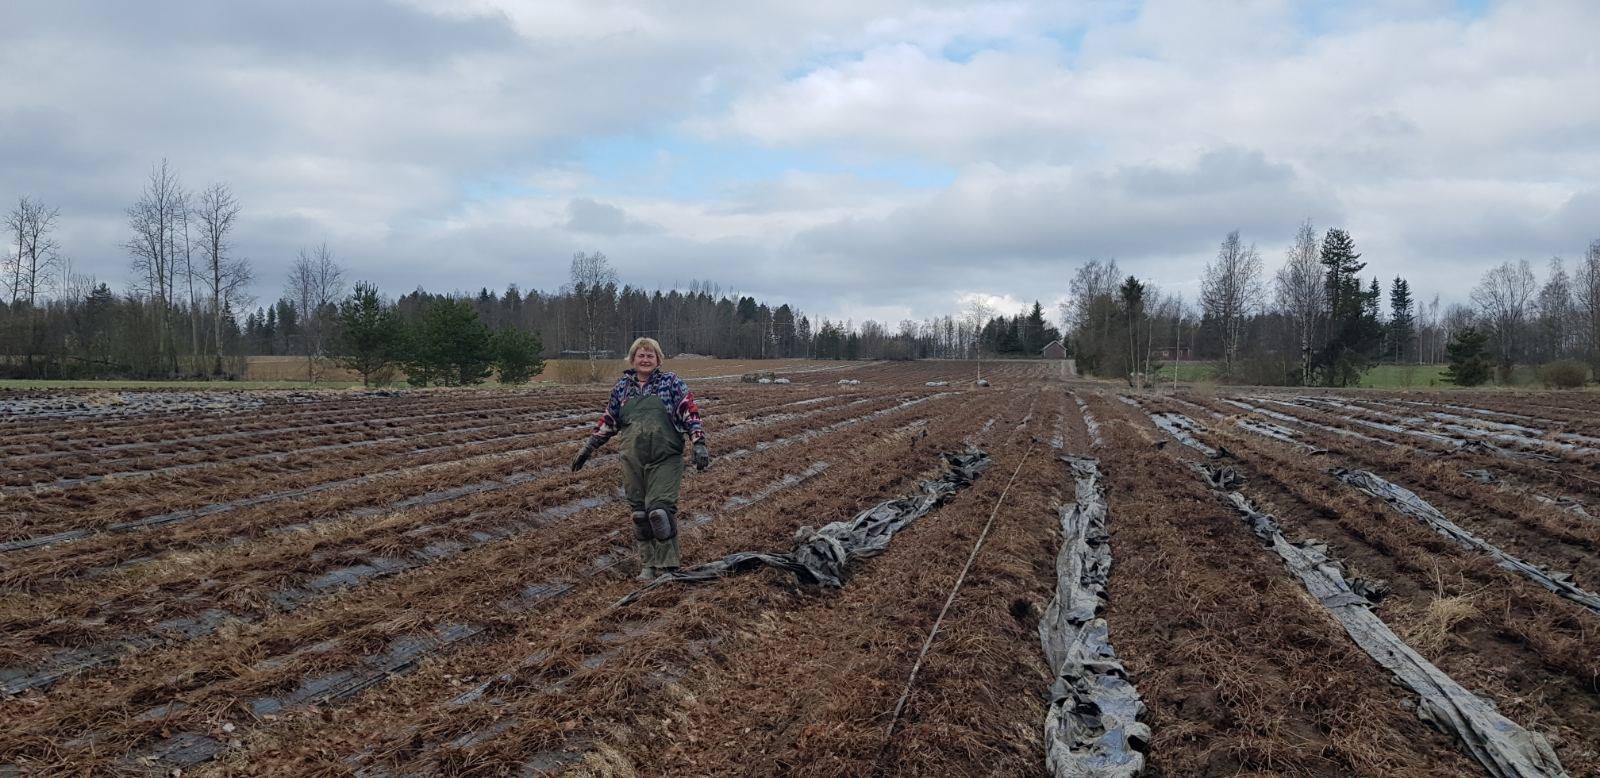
1317,403
1535,435
822,556
1092,726
1459,429
1502,746
1280,434
1194,405
1296,420
1469,409
1474,446
1407,502
1089,422
1569,504
1182,429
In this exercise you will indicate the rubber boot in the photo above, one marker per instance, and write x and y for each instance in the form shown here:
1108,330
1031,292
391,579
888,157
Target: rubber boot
642,542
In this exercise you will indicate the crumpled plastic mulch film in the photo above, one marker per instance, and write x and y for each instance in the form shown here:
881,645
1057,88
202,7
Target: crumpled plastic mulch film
1407,502
1280,434
821,556
1088,421
1182,429
1092,727
1499,744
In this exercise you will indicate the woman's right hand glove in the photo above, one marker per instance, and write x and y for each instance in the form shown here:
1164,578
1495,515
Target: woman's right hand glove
583,455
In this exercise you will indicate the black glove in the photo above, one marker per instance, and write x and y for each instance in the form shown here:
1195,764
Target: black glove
583,455
702,455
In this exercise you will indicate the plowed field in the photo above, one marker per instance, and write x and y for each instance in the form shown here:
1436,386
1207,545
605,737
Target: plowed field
415,583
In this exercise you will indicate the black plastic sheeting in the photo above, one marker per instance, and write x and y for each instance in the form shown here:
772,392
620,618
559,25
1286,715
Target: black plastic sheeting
1183,429
1299,422
1092,726
1407,502
1088,421
822,556
1480,447
1503,747
1280,434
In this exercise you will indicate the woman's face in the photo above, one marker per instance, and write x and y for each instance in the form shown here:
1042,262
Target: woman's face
646,361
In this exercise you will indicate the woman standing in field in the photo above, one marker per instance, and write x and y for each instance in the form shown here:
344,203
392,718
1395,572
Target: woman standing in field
654,411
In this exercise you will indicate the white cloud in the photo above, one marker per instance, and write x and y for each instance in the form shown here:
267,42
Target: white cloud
433,143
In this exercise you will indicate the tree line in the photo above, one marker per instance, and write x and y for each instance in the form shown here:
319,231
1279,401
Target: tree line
187,313
1321,321
176,315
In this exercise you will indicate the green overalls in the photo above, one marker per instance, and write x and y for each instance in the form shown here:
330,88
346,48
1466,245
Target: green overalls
652,471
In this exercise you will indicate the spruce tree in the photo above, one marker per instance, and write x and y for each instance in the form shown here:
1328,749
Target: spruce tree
1402,322
1034,331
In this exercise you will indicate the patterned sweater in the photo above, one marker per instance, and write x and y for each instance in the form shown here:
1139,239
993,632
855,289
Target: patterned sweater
673,393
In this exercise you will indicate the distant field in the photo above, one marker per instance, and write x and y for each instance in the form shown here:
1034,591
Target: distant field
1380,377
281,372
1188,372
19,383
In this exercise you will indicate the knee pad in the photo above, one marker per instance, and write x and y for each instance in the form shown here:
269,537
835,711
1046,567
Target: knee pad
663,524
641,526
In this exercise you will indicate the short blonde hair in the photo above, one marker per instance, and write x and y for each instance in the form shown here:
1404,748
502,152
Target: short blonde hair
649,343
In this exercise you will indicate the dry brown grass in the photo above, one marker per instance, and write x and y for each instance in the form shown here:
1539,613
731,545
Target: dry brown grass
1439,621
294,369
577,371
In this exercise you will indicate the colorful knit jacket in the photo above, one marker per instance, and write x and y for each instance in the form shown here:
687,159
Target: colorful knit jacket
673,393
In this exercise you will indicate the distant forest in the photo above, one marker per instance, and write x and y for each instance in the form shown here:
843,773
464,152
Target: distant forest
1323,318
188,313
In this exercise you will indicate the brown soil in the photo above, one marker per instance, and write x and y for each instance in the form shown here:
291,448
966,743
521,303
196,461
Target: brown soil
469,627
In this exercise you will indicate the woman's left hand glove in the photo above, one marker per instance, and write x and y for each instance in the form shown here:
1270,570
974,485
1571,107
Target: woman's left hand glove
584,454
702,455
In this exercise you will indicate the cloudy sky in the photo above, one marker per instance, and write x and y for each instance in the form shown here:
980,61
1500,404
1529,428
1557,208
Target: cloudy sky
861,158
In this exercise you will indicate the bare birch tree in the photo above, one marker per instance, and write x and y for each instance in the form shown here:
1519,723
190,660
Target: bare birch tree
29,272
1557,313
979,313
592,279
154,220
224,276
190,275
1092,295
1301,294
315,282
1428,342
1231,292
1505,296
1586,299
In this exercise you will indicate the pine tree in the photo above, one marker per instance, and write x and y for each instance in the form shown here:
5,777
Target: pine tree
450,346
367,333
517,355
1344,288
1354,333
1469,358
